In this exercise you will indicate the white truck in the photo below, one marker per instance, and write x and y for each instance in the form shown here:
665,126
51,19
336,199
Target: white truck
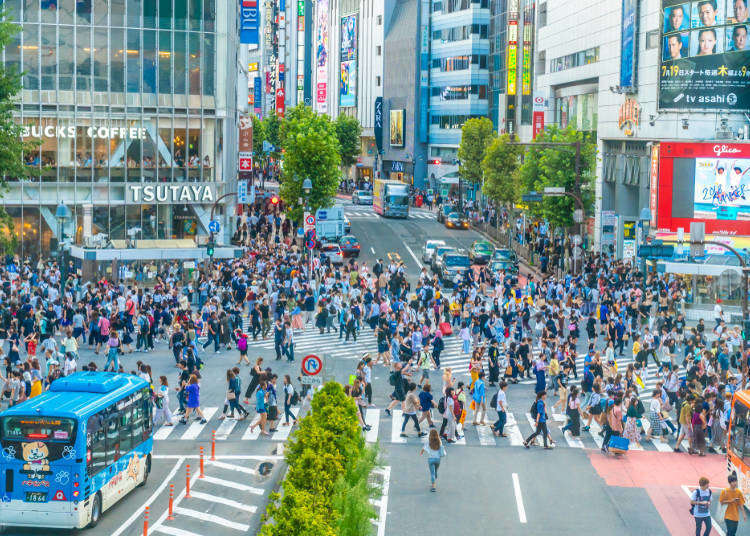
329,224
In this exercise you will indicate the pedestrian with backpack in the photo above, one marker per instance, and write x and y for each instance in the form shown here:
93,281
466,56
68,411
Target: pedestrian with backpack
446,408
539,413
700,508
291,398
242,346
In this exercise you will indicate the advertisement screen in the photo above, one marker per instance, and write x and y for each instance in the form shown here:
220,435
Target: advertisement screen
628,44
348,78
722,189
397,128
705,59
321,56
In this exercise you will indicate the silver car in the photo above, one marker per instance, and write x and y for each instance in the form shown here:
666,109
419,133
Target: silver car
333,253
362,197
429,249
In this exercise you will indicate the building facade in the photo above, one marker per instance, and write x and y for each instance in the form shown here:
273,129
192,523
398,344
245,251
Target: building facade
134,104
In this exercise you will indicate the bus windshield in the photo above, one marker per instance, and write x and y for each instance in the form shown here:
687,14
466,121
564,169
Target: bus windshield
398,199
55,429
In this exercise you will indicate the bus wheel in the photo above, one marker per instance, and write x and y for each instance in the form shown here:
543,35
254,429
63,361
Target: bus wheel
96,510
146,471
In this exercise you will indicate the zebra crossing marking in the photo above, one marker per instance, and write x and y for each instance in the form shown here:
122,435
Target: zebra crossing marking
250,434
396,418
195,428
372,418
282,432
225,428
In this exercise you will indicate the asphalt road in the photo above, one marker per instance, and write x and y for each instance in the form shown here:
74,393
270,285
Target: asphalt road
557,492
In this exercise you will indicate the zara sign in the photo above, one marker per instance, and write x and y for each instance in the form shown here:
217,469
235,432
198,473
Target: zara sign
171,193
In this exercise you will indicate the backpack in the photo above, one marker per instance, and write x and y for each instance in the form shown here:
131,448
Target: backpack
295,398
458,407
533,410
242,344
698,497
392,379
493,401
441,404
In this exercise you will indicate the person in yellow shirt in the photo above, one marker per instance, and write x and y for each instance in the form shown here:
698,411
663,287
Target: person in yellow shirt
636,346
733,500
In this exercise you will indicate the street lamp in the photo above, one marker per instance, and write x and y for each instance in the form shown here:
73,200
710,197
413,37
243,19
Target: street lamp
307,186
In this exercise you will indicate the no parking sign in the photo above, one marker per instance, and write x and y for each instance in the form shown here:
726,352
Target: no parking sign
312,366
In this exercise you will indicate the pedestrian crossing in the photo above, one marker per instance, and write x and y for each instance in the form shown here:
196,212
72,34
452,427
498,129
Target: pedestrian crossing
224,430
368,214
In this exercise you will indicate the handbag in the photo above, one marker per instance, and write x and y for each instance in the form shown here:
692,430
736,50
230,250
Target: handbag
231,395
508,370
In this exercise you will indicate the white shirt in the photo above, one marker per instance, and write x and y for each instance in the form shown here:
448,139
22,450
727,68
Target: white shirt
502,400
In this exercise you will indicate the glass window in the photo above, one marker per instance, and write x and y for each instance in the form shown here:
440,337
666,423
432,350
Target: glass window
209,52
138,426
65,10
134,13
83,58
31,56
165,14
117,60
49,11
96,445
196,14
164,143
100,59
49,56
113,440
83,11
738,429
101,12
194,149
117,219
180,60
209,15
180,14
126,430
165,62
149,13
84,161
31,10
117,12
149,61
13,54
13,8
134,61
100,219
195,63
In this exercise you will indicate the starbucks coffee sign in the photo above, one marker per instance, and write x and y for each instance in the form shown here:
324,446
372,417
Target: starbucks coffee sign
107,133
170,193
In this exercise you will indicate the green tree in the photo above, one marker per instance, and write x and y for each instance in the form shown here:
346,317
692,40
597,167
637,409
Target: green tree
500,165
259,135
555,166
311,150
476,135
348,131
272,127
13,147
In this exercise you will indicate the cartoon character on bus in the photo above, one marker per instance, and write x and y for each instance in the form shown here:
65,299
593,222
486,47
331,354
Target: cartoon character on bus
36,456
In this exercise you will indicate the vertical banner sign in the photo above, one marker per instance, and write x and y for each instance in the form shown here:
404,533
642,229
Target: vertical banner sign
246,143
249,19
258,98
378,127
653,195
300,51
540,105
348,80
629,44
321,56
526,61
512,56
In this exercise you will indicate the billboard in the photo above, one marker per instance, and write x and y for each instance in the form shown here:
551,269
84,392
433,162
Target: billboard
704,55
378,128
245,140
512,56
629,44
348,78
397,128
705,182
249,22
321,56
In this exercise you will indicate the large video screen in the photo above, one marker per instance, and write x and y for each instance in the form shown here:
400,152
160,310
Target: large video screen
722,189
705,59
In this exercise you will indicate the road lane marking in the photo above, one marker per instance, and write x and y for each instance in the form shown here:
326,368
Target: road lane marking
515,435
413,256
282,432
231,484
174,531
196,427
211,517
372,418
225,428
163,432
232,467
139,511
373,250
486,438
574,442
268,458
158,526
251,435
396,418
223,500
519,499
386,473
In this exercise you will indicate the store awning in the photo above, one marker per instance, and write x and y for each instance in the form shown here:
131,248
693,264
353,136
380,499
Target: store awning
156,244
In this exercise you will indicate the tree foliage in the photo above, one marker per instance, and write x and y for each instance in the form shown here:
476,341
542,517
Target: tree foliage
11,144
500,165
476,135
311,151
327,490
555,166
348,131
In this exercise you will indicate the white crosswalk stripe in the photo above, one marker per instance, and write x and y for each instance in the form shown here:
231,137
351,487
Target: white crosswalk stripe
195,428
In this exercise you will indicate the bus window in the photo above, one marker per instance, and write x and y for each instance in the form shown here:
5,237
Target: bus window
738,430
138,424
96,445
113,439
126,430
47,429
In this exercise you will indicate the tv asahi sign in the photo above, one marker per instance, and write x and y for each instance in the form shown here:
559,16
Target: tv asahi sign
171,193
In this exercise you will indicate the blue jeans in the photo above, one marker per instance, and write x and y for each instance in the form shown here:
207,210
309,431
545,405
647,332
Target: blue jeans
212,337
112,357
703,521
466,346
288,413
499,425
288,350
433,464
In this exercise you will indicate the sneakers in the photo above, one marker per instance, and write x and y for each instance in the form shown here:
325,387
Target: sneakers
203,421
403,434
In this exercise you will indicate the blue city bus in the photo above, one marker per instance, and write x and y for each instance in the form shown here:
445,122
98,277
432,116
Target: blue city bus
75,450
390,198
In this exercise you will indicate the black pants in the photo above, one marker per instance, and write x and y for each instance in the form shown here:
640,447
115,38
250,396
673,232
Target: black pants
277,349
256,331
541,428
608,434
368,393
436,358
703,521
731,527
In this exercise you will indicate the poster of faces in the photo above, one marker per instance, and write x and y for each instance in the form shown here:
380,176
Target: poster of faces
348,78
705,55
722,188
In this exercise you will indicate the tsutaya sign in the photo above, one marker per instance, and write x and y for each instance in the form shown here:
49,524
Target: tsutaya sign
56,131
171,193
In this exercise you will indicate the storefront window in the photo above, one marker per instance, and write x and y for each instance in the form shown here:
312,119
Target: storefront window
117,60
208,65
195,64
116,222
100,59
165,62
134,61
31,56
149,61
83,59
180,61
49,56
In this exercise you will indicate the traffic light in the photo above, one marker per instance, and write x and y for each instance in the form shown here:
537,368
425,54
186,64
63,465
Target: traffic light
210,249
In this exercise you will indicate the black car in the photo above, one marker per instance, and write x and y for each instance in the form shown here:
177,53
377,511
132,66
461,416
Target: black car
457,221
350,246
453,265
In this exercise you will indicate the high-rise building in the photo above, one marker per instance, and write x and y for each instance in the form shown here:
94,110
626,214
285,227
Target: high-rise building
133,103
